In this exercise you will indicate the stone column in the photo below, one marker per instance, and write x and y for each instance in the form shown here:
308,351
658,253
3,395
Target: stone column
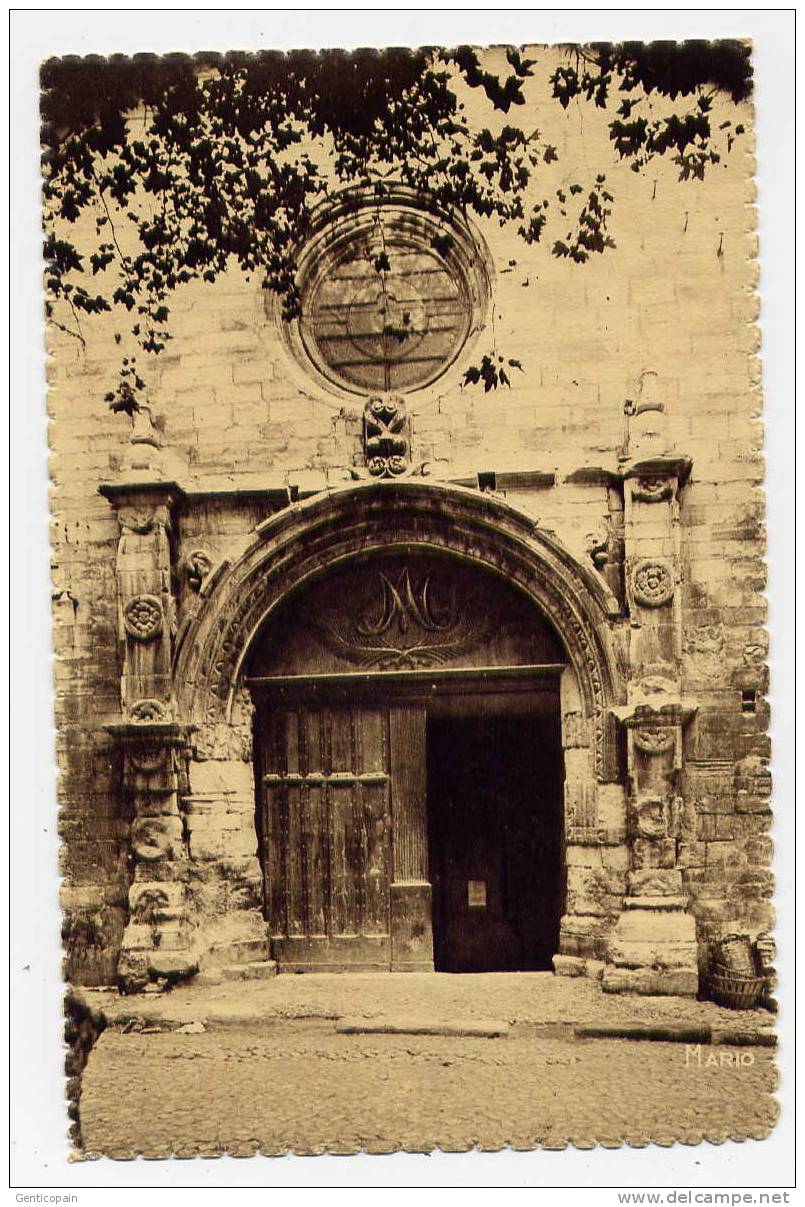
156,942
652,948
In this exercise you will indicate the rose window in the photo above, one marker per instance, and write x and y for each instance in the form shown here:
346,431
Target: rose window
390,296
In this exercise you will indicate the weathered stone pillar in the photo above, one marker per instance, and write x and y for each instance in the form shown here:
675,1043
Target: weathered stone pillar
595,846
156,941
652,948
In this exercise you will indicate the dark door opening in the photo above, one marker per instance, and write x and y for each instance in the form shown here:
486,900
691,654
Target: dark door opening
495,841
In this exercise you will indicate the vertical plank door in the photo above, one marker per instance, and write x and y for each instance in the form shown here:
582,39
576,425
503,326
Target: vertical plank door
326,829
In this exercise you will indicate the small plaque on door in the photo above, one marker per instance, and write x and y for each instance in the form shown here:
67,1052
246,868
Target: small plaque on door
476,894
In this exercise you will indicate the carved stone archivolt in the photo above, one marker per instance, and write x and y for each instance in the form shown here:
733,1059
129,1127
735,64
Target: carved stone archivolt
143,617
423,517
386,432
653,582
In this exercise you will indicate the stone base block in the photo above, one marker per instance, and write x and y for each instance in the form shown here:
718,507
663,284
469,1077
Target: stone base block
175,965
653,936
238,951
653,949
568,965
575,966
584,936
257,970
671,982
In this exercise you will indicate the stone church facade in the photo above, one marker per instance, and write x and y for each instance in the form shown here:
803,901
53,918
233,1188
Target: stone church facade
359,668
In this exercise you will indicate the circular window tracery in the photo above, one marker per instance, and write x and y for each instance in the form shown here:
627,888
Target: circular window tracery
390,295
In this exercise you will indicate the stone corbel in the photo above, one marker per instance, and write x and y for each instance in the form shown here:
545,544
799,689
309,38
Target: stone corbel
386,436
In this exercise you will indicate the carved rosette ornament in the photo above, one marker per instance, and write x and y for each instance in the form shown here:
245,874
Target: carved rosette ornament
653,583
143,617
385,436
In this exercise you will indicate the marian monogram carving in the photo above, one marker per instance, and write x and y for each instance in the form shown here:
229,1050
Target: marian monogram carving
407,625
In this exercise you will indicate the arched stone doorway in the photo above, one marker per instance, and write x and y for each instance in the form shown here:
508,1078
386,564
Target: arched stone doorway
301,623
409,770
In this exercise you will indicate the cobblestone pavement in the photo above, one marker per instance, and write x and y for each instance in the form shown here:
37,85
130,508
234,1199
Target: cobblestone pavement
302,1086
536,997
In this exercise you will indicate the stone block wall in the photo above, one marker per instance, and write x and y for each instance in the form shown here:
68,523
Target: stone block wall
668,314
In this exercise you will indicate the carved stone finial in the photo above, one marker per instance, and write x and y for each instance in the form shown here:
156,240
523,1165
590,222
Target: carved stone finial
386,436
143,430
645,432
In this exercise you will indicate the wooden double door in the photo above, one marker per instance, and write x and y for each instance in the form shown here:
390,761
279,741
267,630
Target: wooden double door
381,823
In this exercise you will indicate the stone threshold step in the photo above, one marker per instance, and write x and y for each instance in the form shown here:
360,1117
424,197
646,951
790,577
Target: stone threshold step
680,1033
474,1029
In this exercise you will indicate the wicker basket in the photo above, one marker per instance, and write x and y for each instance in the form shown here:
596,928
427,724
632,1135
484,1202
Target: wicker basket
736,991
734,953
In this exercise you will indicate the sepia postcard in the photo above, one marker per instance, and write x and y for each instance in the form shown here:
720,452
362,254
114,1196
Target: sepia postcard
411,659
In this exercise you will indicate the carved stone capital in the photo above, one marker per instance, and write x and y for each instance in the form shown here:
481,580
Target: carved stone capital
666,468
143,711
654,740
142,506
649,489
658,713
